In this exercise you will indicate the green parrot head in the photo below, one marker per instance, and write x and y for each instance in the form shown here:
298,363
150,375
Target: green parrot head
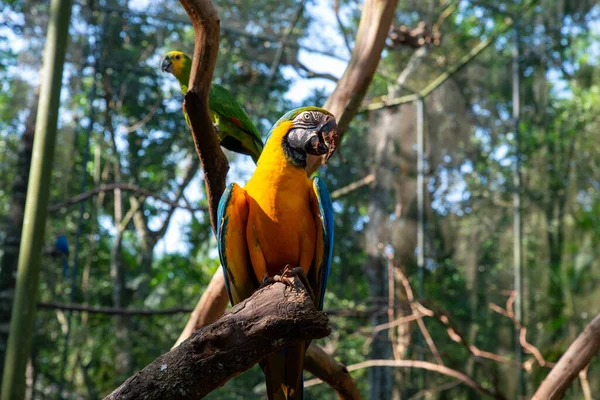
178,64
308,130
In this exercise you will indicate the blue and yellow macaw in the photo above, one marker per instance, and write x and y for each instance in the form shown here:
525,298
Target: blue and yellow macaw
280,217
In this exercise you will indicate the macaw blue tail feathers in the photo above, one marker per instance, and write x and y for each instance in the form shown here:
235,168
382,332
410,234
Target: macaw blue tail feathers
65,266
283,372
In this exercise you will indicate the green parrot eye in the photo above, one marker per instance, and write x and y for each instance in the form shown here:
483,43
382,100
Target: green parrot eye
177,57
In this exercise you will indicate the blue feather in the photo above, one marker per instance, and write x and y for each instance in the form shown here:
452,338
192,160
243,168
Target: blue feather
221,233
326,216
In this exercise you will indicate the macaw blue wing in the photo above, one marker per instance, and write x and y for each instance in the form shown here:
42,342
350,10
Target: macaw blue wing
232,217
323,213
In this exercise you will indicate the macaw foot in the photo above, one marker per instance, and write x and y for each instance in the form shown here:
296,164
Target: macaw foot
216,128
286,274
289,271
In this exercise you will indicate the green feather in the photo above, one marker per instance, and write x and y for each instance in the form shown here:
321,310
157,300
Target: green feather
235,130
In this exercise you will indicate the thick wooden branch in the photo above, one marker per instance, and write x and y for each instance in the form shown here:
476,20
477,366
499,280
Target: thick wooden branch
214,163
347,97
274,317
575,359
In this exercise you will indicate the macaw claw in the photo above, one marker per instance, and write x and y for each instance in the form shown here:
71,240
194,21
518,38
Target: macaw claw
286,274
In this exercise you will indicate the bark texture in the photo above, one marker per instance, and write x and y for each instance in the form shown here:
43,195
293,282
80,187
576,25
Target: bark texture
274,317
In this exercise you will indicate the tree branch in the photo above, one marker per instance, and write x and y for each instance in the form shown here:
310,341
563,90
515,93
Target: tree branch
285,38
585,384
167,311
415,311
110,310
345,101
342,28
336,194
575,359
109,187
312,74
140,124
206,46
274,317
190,172
441,369
528,347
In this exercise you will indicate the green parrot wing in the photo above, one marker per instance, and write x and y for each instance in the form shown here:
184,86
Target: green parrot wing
223,103
232,217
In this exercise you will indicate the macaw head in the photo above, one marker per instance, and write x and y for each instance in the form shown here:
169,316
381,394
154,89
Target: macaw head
178,64
306,130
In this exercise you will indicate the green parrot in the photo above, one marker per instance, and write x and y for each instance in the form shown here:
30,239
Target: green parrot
234,128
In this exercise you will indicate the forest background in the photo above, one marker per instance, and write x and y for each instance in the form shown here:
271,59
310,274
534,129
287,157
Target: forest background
141,238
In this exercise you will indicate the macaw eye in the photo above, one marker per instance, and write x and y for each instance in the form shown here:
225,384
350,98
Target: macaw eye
177,57
306,116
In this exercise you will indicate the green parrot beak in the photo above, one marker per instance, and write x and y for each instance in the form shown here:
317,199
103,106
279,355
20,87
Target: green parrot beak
166,65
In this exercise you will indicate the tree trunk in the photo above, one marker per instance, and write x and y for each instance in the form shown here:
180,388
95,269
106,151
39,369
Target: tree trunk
380,378
36,206
393,210
12,241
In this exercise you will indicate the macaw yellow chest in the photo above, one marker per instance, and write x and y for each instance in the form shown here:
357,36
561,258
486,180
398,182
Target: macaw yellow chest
281,228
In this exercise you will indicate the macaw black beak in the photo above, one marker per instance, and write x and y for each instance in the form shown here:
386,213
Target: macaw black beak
166,65
329,133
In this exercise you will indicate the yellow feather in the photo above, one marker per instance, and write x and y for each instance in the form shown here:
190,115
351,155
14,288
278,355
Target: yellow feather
280,221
